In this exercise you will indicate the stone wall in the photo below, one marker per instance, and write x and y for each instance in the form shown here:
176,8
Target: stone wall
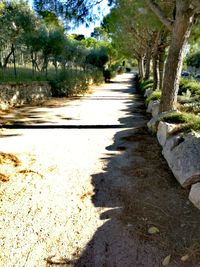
16,94
181,151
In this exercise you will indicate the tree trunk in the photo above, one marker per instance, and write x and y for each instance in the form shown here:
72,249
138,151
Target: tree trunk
33,64
180,34
141,67
148,63
155,63
161,66
14,60
6,59
161,57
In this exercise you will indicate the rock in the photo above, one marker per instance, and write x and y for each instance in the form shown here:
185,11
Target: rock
148,92
182,154
155,108
153,123
164,130
170,144
149,108
194,195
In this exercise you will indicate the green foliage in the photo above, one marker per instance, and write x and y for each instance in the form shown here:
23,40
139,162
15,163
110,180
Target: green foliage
71,82
192,86
97,57
187,121
145,84
178,117
194,60
109,74
24,75
156,95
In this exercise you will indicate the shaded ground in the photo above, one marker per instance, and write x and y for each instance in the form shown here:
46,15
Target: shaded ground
87,197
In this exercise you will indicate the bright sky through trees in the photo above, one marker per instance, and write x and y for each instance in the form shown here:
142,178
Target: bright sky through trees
82,29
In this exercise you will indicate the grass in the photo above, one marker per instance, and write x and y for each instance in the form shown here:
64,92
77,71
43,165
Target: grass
145,84
154,96
24,75
187,121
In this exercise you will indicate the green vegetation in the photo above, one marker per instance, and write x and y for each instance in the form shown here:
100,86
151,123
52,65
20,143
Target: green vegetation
35,47
154,96
71,82
192,86
145,84
187,121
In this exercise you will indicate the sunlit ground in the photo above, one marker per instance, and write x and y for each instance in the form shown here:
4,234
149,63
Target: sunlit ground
46,206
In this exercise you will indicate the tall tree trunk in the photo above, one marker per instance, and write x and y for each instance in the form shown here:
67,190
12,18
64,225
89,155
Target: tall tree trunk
6,59
148,63
161,67
161,57
33,64
155,62
180,34
141,67
14,60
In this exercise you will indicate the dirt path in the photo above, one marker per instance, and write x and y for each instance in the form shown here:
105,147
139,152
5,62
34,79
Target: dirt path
86,182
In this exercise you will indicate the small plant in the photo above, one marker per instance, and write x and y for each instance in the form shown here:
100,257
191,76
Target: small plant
146,84
177,117
187,121
188,85
154,96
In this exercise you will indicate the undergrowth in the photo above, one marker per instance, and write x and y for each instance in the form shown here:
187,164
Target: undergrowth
187,121
154,96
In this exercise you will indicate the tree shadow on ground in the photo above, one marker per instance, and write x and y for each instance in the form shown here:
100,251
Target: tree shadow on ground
139,191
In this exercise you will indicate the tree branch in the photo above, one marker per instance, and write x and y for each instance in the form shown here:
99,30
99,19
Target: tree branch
159,13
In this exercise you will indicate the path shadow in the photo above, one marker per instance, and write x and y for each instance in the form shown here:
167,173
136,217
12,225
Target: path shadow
139,191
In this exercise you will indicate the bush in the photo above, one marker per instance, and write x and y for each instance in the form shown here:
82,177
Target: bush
96,76
192,86
154,96
187,121
108,74
146,84
71,82
194,60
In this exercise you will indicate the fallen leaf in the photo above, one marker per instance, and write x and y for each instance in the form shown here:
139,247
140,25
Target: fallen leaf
4,178
153,230
185,257
166,260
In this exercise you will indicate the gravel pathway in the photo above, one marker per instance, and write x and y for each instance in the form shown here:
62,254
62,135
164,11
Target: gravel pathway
60,206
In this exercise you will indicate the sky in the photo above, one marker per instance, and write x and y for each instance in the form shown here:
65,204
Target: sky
82,29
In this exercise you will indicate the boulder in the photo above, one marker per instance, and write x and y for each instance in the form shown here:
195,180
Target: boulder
182,153
164,130
194,195
149,107
148,92
155,108
153,123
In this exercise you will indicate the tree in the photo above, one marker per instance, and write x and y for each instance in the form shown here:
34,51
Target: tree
185,14
80,11
16,21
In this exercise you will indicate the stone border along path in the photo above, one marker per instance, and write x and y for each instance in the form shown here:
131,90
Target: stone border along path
72,200
181,151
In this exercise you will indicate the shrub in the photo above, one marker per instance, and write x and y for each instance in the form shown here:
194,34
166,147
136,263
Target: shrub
108,74
192,86
144,85
154,96
71,82
187,121
96,76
